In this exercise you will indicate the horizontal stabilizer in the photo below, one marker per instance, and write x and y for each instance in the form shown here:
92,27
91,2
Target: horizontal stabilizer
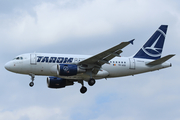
160,60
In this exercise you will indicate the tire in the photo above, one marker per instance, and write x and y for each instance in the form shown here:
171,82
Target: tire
31,84
91,82
83,89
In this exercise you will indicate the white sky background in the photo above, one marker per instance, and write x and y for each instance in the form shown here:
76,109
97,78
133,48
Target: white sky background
88,27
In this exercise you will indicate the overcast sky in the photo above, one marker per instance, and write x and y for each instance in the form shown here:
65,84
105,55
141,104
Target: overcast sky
88,27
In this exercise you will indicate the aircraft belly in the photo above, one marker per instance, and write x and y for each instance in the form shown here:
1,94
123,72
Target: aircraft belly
101,74
41,69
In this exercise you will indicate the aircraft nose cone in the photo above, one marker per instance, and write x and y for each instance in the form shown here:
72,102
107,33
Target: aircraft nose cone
7,66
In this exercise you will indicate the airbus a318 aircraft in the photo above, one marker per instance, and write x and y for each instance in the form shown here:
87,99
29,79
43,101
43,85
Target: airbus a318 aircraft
65,69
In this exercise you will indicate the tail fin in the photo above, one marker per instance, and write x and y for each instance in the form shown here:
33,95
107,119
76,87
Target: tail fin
152,49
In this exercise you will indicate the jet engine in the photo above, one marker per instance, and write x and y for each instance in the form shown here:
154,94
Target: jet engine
69,69
66,70
54,82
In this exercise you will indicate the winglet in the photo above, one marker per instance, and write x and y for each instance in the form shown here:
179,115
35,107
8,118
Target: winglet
131,41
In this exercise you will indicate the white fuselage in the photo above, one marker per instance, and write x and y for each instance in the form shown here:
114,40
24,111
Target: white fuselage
46,65
65,69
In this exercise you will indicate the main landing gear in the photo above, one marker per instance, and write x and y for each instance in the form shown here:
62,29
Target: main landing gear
91,82
83,89
31,84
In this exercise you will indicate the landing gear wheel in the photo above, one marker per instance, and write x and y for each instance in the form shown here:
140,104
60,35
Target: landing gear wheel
83,89
31,84
91,82
32,78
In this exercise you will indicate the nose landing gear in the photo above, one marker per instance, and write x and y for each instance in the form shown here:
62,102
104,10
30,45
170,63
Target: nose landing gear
31,84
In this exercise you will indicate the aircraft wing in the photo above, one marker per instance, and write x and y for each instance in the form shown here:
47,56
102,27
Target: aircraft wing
106,55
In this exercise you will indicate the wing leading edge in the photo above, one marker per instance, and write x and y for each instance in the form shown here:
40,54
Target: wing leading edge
106,55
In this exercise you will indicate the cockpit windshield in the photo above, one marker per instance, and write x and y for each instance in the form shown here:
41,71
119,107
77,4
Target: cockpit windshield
18,58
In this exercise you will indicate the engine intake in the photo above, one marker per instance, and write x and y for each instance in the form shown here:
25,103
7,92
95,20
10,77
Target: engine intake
54,82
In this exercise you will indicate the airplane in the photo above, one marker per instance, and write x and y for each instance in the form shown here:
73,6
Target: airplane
65,69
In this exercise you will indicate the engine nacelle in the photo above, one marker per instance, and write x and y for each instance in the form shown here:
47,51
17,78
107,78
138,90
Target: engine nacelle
54,82
68,69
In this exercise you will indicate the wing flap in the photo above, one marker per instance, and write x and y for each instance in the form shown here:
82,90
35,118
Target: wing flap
160,60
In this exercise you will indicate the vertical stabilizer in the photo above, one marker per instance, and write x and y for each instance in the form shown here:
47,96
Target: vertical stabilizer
152,49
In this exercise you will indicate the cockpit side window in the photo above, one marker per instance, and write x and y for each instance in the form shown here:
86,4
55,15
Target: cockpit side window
18,58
